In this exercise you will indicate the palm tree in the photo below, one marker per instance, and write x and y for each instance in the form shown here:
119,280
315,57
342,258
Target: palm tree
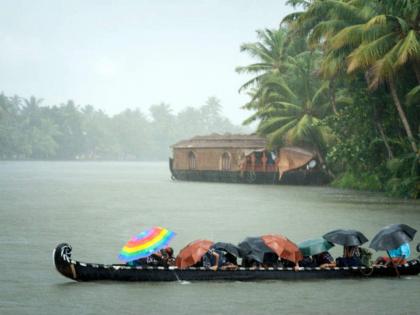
378,37
291,111
386,43
269,53
296,121
33,102
320,21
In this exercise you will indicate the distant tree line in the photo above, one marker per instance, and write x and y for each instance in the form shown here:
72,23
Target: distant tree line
343,78
68,131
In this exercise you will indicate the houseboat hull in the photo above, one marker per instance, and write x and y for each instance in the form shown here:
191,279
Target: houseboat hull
80,271
297,177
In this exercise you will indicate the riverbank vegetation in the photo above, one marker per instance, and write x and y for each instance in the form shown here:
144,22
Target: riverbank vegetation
343,78
67,131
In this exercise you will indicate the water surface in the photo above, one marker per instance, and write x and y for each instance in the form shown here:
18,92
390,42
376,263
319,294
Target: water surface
97,206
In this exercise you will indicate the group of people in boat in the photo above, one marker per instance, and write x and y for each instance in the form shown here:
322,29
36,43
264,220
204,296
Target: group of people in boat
162,258
216,259
353,256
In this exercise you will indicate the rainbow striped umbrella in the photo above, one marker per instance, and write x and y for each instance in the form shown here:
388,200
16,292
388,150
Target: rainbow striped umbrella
145,244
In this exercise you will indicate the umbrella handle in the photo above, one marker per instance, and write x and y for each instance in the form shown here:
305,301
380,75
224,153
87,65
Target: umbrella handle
393,265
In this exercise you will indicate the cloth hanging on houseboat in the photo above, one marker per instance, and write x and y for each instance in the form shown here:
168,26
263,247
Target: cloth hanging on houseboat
250,151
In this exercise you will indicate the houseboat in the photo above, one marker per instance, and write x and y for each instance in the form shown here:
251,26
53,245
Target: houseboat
244,159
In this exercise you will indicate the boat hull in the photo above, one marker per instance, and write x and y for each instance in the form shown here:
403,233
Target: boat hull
80,271
299,177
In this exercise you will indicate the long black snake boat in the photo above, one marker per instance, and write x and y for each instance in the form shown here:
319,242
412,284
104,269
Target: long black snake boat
81,271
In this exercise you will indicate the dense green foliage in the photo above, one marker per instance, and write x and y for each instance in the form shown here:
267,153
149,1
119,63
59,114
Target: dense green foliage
68,131
342,77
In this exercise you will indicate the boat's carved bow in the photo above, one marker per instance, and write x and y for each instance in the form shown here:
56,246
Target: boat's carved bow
62,261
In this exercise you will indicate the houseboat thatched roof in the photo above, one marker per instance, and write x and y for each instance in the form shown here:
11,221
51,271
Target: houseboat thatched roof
237,141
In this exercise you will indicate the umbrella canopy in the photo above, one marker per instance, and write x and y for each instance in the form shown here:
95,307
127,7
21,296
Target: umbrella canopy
392,236
346,237
254,248
283,247
192,253
228,248
145,244
314,246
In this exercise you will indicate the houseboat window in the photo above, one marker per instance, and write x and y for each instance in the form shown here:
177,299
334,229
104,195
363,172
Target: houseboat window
225,161
191,161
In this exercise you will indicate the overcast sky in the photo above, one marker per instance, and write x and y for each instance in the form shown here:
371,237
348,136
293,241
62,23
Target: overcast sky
127,54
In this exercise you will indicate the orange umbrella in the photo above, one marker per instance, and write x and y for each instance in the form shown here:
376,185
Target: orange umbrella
192,253
283,247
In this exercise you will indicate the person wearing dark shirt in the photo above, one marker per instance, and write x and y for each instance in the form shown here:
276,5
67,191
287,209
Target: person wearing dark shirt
307,262
212,259
351,257
322,259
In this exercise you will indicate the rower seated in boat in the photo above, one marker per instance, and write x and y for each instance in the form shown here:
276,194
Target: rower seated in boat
162,258
250,263
144,262
216,259
306,262
212,259
167,257
351,257
323,259
397,256
270,260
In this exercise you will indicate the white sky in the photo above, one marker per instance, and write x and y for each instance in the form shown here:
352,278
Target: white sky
127,54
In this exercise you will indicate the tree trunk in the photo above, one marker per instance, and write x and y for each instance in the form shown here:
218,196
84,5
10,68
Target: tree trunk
332,95
322,161
384,139
382,133
402,114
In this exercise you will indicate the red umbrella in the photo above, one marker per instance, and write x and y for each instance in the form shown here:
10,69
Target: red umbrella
192,253
283,247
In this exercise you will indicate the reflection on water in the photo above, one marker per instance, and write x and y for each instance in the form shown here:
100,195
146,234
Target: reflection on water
97,206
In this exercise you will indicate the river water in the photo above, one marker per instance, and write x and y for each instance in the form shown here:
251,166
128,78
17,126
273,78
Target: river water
97,206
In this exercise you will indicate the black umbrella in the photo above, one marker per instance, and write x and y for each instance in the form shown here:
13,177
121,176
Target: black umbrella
254,248
228,248
392,236
346,237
